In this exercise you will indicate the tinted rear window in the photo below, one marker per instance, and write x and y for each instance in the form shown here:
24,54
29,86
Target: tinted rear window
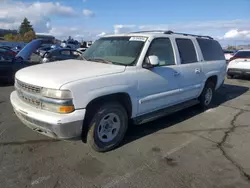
211,49
186,50
243,54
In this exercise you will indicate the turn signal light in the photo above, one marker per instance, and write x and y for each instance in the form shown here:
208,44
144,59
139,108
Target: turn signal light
66,109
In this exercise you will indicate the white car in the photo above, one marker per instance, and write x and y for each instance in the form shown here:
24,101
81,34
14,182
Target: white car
228,54
239,64
136,76
82,49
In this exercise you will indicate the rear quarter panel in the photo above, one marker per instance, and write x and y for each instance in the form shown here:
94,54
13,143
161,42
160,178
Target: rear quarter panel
215,68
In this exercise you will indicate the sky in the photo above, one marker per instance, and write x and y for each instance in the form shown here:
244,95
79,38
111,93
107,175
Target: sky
226,20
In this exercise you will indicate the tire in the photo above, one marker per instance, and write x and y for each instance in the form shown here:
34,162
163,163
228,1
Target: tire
105,137
205,99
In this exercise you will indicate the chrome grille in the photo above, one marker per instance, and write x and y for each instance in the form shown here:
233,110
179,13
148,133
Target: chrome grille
28,87
28,99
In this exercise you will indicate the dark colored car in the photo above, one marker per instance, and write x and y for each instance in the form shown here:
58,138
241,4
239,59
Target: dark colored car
9,65
8,51
60,54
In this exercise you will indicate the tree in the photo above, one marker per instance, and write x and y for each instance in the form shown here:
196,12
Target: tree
9,37
25,27
29,36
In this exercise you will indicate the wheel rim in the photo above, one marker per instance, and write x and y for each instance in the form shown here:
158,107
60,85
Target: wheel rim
208,96
108,127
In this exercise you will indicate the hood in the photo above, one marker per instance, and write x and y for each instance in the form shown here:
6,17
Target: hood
55,74
31,47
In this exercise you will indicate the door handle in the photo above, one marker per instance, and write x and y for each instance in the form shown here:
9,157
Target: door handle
197,71
176,73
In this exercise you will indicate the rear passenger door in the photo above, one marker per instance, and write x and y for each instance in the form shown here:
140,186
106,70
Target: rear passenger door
191,73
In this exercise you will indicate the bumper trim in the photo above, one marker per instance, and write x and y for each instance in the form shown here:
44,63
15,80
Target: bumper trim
233,71
57,126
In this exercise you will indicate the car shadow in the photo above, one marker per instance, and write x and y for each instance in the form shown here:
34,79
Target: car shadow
6,84
226,93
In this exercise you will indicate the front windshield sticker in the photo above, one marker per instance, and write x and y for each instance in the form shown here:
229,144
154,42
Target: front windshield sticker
143,39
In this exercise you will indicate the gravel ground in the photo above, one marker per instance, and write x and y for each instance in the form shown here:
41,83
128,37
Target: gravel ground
187,149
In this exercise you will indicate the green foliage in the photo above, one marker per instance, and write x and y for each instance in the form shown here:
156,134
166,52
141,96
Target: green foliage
26,33
29,36
9,37
25,27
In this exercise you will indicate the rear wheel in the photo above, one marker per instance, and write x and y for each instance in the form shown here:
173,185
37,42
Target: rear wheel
207,95
108,126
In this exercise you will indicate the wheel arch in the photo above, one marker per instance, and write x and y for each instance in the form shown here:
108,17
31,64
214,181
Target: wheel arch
121,97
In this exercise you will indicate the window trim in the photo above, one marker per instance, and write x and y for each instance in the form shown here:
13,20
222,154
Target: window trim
151,43
195,50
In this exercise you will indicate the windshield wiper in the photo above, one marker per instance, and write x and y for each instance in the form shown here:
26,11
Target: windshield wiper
100,60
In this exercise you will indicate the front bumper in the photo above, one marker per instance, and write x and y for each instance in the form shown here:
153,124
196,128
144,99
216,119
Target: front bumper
58,126
240,72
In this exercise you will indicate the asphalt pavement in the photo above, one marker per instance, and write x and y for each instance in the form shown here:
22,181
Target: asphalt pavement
188,149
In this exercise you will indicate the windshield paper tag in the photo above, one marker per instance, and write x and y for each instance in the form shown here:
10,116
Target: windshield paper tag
143,39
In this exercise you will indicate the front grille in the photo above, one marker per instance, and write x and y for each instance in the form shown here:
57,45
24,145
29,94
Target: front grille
28,99
28,87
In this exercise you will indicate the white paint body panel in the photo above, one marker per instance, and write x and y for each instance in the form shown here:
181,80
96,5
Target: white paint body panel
55,74
240,64
149,89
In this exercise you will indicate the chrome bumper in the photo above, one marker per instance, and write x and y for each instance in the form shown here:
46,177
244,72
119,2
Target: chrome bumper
58,126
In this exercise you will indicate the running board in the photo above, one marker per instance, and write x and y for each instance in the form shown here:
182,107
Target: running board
163,112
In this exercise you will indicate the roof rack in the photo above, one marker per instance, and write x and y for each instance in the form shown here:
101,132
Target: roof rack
171,32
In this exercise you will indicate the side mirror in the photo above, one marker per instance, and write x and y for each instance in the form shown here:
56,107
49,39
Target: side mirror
151,61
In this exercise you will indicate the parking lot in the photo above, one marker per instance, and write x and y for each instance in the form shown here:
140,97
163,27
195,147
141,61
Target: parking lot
190,148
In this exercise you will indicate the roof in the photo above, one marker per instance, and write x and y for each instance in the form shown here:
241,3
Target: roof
159,33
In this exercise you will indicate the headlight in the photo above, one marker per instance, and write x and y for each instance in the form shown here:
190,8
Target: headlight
59,101
56,94
63,109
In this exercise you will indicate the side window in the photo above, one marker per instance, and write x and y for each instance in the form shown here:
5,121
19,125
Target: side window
162,48
65,52
186,50
211,49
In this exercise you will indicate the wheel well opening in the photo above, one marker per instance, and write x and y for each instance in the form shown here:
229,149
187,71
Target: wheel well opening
122,98
213,79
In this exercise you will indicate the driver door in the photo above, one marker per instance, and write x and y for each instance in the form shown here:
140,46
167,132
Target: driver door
158,87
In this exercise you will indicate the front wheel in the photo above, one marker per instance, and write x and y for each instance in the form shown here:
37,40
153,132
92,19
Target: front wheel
107,127
207,95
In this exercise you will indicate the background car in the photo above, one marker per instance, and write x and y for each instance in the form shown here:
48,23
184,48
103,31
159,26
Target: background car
10,64
16,49
8,51
228,54
239,64
60,54
82,49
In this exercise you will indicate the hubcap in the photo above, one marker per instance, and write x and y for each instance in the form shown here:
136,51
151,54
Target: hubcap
108,127
208,96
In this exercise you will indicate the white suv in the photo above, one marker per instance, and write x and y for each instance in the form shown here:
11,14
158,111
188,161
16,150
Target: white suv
137,76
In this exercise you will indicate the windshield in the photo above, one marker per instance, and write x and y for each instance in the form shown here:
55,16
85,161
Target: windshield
117,50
